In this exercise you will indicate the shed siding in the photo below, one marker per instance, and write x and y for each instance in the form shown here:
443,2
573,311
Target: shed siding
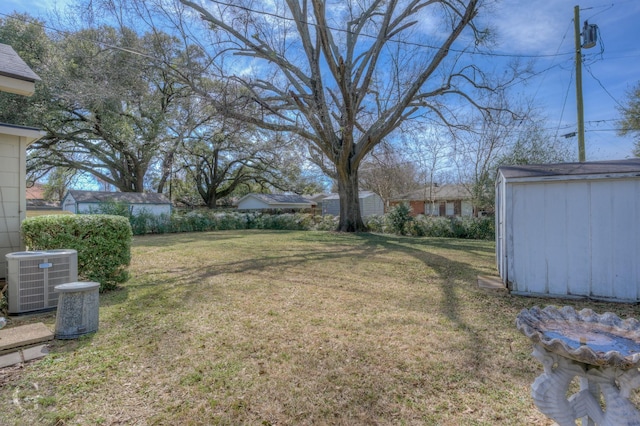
331,206
572,237
371,205
576,217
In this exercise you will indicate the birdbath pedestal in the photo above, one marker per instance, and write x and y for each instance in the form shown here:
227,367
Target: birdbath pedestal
603,351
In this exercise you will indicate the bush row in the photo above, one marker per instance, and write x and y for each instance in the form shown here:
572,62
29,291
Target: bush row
394,222
205,220
482,228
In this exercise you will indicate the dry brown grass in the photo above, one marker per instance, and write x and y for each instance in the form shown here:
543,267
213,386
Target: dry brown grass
292,328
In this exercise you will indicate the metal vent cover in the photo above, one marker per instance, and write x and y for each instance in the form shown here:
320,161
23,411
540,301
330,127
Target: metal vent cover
32,276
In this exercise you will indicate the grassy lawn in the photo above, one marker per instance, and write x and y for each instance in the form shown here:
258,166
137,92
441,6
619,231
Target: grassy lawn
289,328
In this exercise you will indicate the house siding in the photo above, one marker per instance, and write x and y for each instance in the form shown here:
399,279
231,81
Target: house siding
445,200
71,203
370,204
12,203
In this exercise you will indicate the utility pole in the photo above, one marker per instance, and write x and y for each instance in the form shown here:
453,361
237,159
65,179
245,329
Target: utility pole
576,22
590,35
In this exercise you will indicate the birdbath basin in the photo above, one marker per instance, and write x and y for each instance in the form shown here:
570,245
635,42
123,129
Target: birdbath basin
602,350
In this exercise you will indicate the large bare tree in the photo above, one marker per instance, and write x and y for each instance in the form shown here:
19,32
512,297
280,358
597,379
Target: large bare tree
344,75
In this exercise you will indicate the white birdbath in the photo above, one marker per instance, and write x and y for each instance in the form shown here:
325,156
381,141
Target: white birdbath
602,350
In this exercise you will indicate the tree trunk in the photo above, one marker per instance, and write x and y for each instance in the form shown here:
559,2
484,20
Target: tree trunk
350,218
212,200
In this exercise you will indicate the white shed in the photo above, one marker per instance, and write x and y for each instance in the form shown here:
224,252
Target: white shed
370,204
255,201
90,201
571,229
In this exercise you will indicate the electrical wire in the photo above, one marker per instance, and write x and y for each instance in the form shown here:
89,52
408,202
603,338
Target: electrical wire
564,104
588,68
403,42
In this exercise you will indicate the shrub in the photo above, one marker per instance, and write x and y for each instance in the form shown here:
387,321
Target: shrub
399,217
115,208
325,223
376,223
103,243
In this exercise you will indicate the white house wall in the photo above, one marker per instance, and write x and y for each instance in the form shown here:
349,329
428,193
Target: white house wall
153,209
85,208
572,238
12,195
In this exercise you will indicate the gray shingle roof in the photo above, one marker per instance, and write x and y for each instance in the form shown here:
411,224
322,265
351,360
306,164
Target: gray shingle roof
447,192
281,199
574,169
12,65
123,197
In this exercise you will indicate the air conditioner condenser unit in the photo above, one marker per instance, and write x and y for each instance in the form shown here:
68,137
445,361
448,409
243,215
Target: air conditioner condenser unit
32,276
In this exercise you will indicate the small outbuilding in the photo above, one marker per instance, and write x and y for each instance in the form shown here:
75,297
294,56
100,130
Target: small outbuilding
570,229
274,202
76,201
370,204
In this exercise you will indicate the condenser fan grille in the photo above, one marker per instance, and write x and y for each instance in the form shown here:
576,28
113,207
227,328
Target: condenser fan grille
34,275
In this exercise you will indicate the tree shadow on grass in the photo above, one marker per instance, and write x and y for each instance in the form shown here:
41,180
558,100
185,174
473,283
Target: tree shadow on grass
453,277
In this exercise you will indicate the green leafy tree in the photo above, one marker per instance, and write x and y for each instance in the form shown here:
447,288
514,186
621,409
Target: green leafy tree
28,38
113,114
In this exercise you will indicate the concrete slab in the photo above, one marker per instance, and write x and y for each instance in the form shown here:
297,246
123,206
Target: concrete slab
23,355
10,359
24,335
491,283
35,352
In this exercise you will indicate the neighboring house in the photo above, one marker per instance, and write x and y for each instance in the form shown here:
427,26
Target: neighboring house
15,77
438,200
272,202
570,230
370,204
316,201
90,201
36,200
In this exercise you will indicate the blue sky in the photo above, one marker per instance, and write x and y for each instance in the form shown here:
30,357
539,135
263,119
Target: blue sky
542,31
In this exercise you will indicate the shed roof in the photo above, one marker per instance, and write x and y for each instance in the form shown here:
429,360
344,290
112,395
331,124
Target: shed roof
12,65
277,199
123,197
631,165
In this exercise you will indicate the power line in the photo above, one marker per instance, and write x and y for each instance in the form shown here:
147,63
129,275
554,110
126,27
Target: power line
588,67
404,42
564,104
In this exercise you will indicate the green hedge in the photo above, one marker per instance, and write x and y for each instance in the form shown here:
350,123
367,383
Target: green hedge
478,228
103,243
397,221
